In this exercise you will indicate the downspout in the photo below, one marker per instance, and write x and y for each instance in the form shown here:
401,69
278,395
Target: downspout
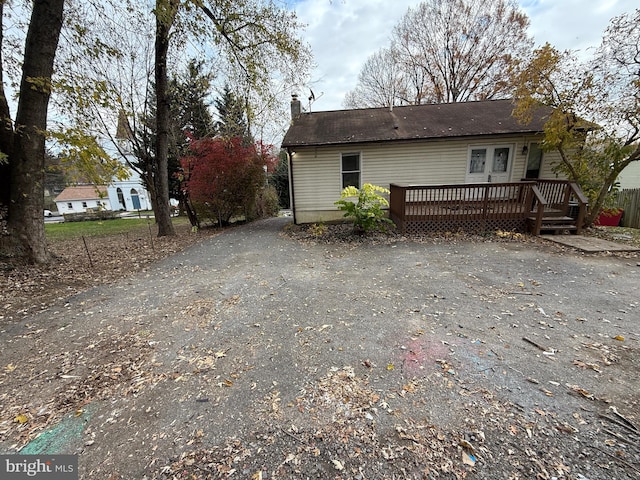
292,195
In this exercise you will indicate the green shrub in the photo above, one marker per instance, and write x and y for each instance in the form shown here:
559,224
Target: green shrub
367,212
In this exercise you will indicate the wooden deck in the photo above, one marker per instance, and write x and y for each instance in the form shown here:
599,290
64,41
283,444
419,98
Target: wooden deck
535,206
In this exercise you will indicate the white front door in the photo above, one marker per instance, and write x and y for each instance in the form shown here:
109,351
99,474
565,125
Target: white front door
489,163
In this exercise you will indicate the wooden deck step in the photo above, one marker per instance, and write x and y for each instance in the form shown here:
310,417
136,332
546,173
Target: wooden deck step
558,227
550,220
555,224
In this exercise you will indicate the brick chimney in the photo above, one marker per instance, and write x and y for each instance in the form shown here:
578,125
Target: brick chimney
296,107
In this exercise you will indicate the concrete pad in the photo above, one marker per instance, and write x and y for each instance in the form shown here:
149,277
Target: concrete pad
590,244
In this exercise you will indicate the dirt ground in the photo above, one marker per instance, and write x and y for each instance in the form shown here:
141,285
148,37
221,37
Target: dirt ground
267,351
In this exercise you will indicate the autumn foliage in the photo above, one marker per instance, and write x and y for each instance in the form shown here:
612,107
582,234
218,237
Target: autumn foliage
224,178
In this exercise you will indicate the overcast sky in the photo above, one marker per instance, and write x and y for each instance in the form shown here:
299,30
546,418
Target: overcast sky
343,33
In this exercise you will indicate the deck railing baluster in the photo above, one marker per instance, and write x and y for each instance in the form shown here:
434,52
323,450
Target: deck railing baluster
480,206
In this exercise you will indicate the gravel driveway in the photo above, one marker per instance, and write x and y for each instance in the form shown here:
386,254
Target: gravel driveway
255,355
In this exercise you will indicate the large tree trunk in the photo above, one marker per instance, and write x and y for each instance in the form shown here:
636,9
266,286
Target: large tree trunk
26,158
165,14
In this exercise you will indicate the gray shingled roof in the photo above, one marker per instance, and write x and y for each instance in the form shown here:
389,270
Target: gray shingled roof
417,122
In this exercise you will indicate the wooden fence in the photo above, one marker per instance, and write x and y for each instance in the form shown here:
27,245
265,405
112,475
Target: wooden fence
629,201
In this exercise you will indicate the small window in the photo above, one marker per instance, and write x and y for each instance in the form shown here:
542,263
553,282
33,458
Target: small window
84,204
69,205
500,160
478,159
350,170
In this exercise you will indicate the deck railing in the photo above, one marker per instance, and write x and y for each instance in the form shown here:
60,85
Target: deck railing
481,206
558,198
472,207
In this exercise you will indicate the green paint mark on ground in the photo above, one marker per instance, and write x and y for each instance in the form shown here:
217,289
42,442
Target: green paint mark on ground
57,439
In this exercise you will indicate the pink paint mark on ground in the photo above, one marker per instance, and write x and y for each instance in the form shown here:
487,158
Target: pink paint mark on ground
422,354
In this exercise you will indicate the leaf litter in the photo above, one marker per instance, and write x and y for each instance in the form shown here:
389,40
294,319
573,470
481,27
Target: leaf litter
340,426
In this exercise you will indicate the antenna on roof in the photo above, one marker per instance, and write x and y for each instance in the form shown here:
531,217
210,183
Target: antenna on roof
313,98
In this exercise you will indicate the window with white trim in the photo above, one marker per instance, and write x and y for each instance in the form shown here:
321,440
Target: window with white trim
350,169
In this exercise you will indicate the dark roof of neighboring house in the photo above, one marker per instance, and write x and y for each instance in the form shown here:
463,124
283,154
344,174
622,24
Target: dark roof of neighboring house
85,192
417,122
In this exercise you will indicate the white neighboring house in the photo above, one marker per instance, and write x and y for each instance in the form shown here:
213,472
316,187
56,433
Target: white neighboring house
122,195
629,178
129,194
82,198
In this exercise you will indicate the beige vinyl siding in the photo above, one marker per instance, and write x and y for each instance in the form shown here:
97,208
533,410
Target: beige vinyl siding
549,160
630,176
317,170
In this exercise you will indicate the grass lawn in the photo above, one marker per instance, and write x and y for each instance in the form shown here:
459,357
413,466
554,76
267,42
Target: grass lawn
68,230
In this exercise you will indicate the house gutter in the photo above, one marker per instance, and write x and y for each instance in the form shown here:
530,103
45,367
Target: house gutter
292,194
413,140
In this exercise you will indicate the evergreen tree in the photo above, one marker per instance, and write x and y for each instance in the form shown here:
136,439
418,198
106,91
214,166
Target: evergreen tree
232,117
190,118
189,107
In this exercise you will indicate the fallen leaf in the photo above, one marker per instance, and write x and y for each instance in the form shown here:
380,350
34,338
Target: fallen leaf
592,366
410,387
620,338
390,367
10,368
582,391
22,418
467,445
337,464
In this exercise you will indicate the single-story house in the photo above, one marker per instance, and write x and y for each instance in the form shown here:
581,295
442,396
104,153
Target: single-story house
439,144
82,198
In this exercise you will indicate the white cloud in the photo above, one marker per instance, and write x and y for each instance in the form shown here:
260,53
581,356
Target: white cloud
343,33
573,24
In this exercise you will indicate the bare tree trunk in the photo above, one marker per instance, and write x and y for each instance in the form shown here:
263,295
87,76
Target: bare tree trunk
165,14
26,157
187,207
